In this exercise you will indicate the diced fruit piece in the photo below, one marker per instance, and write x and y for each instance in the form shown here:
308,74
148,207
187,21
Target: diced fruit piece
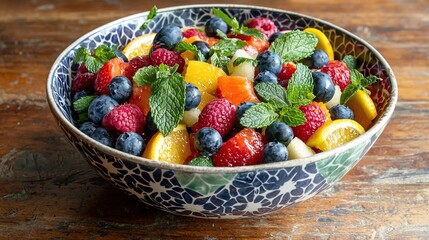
190,117
338,72
298,149
139,46
99,107
175,148
363,108
214,24
203,75
130,142
120,89
341,112
207,141
335,133
269,61
112,68
168,37
335,100
125,118
193,96
274,152
245,69
167,57
288,69
324,88
279,132
218,114
244,148
205,99
140,97
316,114
323,42
259,45
236,89
265,25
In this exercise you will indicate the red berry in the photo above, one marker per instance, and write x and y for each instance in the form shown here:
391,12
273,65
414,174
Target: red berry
244,148
135,64
218,114
82,69
288,69
264,25
338,72
124,118
193,32
112,68
83,81
316,115
170,58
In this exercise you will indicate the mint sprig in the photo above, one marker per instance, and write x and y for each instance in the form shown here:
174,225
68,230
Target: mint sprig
259,115
95,61
81,105
300,86
183,46
235,25
225,48
350,61
149,18
294,45
167,95
241,60
357,81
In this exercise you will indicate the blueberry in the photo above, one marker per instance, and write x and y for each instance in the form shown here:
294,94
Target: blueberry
241,109
80,95
266,77
274,152
150,124
119,54
130,142
88,128
120,89
102,136
324,88
269,61
274,36
207,141
203,47
319,59
341,112
168,37
193,96
215,24
99,107
279,132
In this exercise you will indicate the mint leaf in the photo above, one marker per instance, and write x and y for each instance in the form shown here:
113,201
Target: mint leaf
300,86
258,116
273,93
348,92
251,32
241,60
232,22
292,116
228,46
356,77
369,81
81,105
294,45
145,75
81,55
201,162
94,62
149,18
220,61
183,46
235,25
104,53
167,102
350,62
93,65
357,81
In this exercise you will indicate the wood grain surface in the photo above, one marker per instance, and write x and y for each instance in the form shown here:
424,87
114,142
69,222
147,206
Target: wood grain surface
48,191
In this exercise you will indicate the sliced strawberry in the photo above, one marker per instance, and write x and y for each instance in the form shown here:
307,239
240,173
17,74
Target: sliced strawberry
338,72
316,114
140,97
112,68
288,69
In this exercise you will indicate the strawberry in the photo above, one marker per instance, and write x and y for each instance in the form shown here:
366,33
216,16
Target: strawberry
135,64
167,57
112,68
218,114
124,118
140,97
252,43
288,69
244,148
338,72
316,114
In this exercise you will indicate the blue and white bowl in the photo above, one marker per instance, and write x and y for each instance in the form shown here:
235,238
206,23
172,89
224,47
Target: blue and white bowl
221,192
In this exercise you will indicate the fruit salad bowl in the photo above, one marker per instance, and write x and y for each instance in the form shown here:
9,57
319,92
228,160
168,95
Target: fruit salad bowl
221,192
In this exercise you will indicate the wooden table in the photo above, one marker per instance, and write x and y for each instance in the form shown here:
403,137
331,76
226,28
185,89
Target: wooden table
48,191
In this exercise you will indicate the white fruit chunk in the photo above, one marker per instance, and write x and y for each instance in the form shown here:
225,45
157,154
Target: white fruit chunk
298,149
245,69
335,99
190,117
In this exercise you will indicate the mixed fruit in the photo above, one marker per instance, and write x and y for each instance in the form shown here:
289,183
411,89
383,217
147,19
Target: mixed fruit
225,94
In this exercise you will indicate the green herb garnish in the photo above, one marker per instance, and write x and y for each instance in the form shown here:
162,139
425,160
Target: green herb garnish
95,61
149,18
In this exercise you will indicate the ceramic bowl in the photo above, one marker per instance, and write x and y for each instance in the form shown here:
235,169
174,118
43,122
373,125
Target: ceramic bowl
221,192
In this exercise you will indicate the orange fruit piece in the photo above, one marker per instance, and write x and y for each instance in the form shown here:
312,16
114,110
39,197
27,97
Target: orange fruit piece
205,98
363,108
323,42
236,89
140,97
139,46
203,75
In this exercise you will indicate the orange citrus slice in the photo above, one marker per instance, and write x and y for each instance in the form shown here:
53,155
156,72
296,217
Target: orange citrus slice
335,133
323,42
139,46
363,108
203,75
174,148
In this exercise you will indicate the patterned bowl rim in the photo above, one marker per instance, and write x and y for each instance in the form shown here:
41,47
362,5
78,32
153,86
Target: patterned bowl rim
377,127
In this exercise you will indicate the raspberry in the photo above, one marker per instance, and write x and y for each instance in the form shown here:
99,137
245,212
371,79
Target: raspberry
244,148
83,81
125,118
338,72
112,68
135,64
193,32
170,58
316,114
288,69
218,114
264,25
